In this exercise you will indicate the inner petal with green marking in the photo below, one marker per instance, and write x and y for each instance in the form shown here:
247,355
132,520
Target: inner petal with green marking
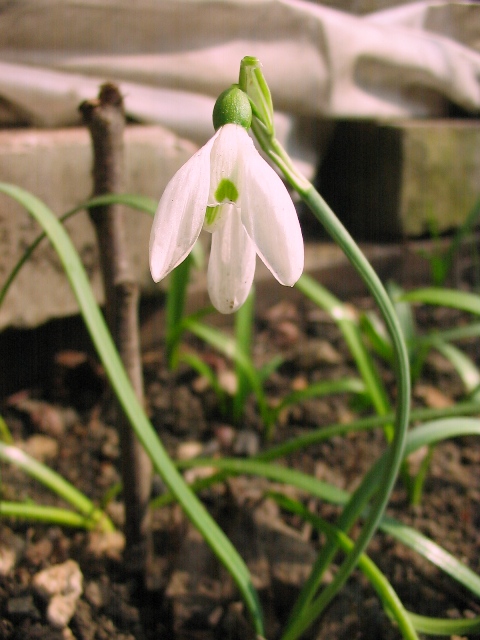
211,215
226,191
216,215
225,196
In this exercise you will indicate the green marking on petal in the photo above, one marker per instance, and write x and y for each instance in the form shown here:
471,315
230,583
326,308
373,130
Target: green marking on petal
226,192
211,214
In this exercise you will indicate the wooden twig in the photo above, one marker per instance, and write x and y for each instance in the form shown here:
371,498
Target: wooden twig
105,118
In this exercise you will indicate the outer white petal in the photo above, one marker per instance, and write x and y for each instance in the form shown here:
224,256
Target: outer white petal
180,214
232,264
269,217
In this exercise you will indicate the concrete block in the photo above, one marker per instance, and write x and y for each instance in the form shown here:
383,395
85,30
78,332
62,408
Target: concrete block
388,180
56,167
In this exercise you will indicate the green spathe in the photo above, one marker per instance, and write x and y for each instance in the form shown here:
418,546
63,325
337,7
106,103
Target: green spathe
232,107
252,82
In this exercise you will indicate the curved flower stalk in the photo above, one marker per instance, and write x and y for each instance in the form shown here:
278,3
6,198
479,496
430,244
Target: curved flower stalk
228,189
311,603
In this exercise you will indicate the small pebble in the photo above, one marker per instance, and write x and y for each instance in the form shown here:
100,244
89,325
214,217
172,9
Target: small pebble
59,579
45,417
201,384
286,333
61,586
316,353
225,434
432,396
41,447
60,610
228,381
108,545
282,311
299,383
11,549
189,450
94,595
8,558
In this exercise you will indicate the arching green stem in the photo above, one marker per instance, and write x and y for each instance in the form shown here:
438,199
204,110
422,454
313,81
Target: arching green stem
304,612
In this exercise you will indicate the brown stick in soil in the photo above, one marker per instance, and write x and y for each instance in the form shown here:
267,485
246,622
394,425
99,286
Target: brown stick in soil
105,118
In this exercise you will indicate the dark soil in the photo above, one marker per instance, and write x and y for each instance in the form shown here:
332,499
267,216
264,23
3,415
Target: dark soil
187,595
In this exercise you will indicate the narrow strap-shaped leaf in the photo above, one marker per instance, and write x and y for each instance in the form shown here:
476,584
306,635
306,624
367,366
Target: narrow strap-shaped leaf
227,345
465,366
462,300
425,435
54,482
102,340
464,627
50,515
320,389
349,327
390,600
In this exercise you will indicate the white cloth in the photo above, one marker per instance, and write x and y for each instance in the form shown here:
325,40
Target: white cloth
171,59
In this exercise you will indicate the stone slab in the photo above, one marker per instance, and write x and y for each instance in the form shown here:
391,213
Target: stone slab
389,180
56,167
384,179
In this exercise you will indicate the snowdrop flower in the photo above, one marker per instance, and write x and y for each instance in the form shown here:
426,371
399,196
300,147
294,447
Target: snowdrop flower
228,189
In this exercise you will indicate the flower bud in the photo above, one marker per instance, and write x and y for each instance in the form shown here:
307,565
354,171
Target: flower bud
253,83
232,107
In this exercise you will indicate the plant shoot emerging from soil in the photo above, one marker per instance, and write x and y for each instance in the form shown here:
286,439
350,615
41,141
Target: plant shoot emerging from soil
229,190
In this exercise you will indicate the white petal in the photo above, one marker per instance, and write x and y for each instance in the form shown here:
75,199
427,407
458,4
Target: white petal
269,217
180,214
225,160
232,264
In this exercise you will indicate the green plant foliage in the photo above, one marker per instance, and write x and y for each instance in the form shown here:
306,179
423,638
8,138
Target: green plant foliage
134,412
88,515
392,335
